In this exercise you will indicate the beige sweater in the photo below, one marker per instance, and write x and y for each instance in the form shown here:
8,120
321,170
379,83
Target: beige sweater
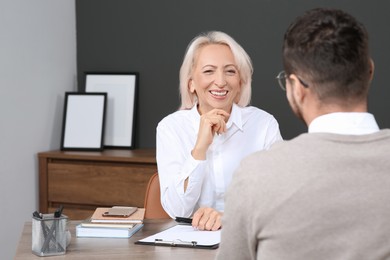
318,196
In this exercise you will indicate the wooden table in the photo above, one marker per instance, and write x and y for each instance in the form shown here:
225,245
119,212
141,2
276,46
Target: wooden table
116,248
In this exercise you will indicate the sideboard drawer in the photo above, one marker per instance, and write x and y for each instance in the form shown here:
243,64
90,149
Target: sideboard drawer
98,184
82,181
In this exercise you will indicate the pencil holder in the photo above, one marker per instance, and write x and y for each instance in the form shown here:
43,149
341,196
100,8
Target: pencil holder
49,235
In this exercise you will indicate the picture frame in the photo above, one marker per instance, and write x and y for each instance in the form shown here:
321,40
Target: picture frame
83,121
121,89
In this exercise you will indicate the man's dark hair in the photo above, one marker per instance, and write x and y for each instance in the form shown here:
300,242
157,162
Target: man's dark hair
328,49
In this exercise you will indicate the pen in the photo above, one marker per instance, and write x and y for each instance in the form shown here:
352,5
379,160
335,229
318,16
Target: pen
58,211
182,220
36,214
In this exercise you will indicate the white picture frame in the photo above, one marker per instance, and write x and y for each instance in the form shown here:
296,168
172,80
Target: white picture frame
83,121
121,89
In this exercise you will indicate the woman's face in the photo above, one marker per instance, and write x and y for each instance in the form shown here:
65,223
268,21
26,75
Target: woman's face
215,78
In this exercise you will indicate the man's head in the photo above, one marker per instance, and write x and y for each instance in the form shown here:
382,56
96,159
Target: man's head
326,53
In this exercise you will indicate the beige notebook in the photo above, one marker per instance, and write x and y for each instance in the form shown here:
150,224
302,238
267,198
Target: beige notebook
88,223
136,217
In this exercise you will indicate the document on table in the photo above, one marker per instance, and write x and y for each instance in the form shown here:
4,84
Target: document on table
184,236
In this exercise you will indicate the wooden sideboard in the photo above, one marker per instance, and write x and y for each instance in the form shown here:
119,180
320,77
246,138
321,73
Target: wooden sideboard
82,181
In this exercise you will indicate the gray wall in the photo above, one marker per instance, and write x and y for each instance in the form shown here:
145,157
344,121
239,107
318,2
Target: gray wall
150,37
37,65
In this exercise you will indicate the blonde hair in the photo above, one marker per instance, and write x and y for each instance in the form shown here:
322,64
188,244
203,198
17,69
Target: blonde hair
242,59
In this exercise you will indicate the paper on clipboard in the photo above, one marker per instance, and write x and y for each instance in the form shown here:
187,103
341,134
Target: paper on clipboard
184,235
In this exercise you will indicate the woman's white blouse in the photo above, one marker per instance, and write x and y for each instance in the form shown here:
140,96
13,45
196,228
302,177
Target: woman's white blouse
249,129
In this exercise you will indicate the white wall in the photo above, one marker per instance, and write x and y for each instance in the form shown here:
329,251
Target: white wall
37,65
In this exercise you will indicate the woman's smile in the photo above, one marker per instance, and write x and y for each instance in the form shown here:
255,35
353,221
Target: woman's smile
219,93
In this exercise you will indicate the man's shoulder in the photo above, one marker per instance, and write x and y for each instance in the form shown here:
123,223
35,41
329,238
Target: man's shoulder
283,145
384,133
306,144
281,155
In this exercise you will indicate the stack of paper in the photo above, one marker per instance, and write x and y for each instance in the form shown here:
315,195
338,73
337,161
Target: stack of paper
116,227
107,231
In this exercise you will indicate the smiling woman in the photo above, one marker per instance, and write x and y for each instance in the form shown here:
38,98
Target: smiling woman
215,78
200,146
241,62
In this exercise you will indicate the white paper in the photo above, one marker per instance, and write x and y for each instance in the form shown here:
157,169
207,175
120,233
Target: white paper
186,233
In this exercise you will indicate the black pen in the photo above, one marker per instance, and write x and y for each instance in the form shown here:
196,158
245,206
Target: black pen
182,220
58,211
38,215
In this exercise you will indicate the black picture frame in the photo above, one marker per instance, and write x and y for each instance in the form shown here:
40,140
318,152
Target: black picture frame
121,89
83,121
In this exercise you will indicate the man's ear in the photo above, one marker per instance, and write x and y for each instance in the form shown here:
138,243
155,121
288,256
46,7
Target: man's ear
298,90
372,68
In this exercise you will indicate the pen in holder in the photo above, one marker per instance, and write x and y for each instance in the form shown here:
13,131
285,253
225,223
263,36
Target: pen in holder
49,234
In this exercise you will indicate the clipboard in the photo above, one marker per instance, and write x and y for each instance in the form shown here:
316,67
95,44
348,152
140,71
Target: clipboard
184,236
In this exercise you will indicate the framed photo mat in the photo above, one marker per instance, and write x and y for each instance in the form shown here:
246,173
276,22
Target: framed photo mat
122,90
83,121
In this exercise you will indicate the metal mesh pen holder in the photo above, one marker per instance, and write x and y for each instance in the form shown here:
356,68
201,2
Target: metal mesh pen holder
49,235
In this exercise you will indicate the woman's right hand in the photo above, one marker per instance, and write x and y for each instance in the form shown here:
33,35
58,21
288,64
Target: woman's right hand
207,219
211,123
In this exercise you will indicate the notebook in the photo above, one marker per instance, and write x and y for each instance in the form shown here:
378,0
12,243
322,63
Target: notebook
136,217
106,232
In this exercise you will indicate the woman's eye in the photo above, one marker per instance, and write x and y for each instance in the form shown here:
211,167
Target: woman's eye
208,71
231,72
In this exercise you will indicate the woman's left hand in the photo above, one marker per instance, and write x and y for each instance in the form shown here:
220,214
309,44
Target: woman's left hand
207,219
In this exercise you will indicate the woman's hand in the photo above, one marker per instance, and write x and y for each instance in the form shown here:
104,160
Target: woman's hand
207,219
212,122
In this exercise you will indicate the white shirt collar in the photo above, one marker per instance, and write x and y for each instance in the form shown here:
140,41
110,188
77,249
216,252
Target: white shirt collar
235,117
347,123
